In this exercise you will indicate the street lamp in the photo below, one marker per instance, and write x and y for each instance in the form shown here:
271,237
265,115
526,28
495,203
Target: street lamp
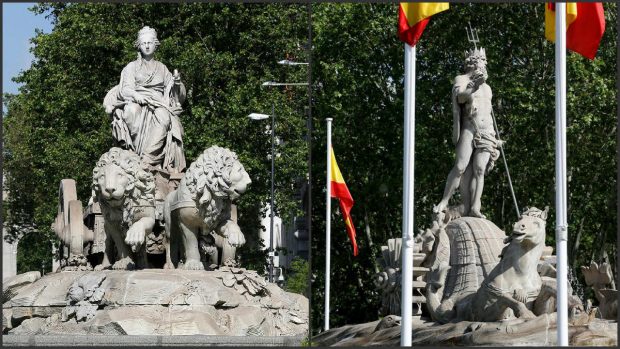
287,62
309,140
257,117
273,83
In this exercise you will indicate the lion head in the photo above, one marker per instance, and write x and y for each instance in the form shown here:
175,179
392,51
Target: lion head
214,180
530,229
120,183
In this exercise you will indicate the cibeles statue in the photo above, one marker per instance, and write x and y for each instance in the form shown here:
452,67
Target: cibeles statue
473,134
145,108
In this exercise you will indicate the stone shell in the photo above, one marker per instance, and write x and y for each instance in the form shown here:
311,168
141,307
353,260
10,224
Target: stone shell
475,247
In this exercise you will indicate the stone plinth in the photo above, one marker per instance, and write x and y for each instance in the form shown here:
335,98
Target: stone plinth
540,331
227,302
150,341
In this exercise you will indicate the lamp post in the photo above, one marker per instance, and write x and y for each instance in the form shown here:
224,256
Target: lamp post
309,187
273,83
287,62
309,135
258,116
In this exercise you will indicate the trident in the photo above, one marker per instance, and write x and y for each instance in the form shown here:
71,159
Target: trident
472,36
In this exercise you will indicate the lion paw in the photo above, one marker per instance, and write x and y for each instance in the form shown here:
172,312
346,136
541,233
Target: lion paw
193,265
233,234
102,266
135,236
236,239
124,264
169,265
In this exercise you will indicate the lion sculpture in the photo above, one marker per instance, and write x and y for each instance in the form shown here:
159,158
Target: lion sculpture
514,288
125,192
198,212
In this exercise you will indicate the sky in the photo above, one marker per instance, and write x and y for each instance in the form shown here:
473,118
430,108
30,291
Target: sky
18,26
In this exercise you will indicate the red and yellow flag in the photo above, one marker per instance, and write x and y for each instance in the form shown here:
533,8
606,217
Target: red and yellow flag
585,23
413,18
340,191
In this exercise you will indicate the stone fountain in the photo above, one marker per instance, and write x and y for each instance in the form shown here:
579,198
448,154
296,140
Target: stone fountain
154,251
480,285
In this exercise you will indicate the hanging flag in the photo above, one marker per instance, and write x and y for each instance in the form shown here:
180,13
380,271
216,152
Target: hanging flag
340,191
413,18
585,23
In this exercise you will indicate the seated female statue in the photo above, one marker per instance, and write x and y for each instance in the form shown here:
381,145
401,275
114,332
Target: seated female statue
145,108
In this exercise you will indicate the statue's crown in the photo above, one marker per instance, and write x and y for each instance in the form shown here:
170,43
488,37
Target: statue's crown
475,53
147,30
535,212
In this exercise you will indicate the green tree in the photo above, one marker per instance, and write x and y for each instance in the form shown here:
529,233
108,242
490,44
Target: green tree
34,254
297,281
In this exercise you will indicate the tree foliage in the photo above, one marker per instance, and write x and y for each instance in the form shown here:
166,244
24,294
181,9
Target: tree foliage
297,280
34,254
56,127
359,62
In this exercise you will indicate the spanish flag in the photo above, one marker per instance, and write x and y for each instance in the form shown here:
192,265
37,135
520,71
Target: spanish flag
413,18
585,22
340,191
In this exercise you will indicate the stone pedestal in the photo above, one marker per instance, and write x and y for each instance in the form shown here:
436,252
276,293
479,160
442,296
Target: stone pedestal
540,331
227,302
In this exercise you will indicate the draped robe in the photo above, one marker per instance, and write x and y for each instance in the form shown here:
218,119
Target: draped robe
156,133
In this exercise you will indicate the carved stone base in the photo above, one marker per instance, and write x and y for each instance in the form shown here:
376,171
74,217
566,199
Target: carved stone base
228,302
540,331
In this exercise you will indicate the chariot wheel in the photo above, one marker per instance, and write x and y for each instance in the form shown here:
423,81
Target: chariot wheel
75,231
66,193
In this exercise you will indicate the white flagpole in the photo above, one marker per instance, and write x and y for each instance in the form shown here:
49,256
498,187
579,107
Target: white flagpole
408,181
328,219
561,230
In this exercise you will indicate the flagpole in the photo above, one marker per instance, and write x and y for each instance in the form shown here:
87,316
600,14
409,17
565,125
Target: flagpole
408,210
561,230
328,225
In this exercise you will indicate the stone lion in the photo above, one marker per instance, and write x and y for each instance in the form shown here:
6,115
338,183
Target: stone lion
125,191
200,209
